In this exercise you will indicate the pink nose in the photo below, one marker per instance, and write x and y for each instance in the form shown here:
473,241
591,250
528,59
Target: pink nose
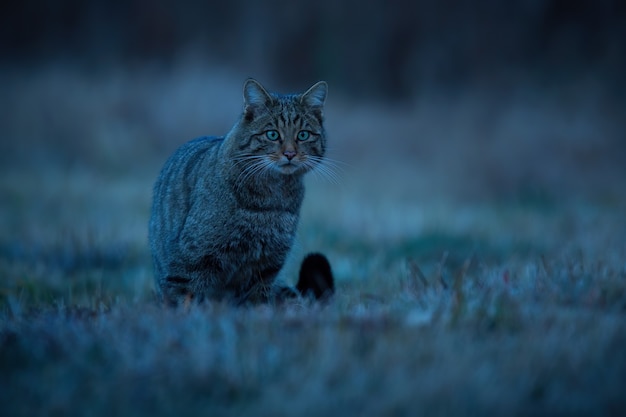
289,154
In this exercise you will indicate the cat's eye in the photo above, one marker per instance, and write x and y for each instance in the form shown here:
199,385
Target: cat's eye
304,135
272,135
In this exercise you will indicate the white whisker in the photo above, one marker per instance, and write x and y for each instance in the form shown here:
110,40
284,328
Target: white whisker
246,158
324,168
256,165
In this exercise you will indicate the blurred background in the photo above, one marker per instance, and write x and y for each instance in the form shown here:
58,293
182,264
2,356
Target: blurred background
489,97
449,123
470,98
519,101
365,49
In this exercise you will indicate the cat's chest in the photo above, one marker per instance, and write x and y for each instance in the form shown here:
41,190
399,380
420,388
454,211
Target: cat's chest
267,225
259,234
267,198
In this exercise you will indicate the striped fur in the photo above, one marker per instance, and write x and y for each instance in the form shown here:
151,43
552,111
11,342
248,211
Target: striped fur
225,209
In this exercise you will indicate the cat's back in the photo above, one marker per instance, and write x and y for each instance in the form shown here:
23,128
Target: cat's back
181,167
188,154
177,181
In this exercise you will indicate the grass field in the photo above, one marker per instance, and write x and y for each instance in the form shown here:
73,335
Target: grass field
478,241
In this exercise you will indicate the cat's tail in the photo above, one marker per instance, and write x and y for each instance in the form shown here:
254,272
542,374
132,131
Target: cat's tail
316,277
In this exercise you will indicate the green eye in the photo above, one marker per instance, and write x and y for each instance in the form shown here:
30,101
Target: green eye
304,135
272,135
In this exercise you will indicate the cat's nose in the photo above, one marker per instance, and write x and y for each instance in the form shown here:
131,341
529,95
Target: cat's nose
289,154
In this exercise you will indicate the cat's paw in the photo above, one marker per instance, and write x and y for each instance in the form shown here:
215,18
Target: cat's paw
176,290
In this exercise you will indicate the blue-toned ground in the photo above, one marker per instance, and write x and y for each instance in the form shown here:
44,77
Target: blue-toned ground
479,247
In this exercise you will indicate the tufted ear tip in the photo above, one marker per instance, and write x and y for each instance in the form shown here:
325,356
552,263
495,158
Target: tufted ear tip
254,94
254,97
316,95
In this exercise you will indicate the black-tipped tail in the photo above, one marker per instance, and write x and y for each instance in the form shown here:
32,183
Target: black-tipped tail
316,278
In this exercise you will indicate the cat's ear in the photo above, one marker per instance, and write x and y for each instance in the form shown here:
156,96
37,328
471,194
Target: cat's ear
315,96
255,97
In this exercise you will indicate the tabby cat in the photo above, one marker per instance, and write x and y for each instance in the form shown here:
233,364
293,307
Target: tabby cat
225,209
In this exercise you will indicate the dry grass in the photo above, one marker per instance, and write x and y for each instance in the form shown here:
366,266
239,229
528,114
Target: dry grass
478,271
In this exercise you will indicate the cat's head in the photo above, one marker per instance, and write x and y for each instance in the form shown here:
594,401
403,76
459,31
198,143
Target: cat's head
281,133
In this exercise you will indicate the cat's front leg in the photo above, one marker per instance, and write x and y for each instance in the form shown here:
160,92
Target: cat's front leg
177,291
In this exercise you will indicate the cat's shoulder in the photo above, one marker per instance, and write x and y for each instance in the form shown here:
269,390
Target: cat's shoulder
189,157
194,148
203,142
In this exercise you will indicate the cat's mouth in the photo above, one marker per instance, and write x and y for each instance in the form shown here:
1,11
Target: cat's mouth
288,167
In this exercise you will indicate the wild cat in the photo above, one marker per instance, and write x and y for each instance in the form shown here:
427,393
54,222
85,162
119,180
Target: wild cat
225,209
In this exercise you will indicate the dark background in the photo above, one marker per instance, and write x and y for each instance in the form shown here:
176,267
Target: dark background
480,98
368,48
